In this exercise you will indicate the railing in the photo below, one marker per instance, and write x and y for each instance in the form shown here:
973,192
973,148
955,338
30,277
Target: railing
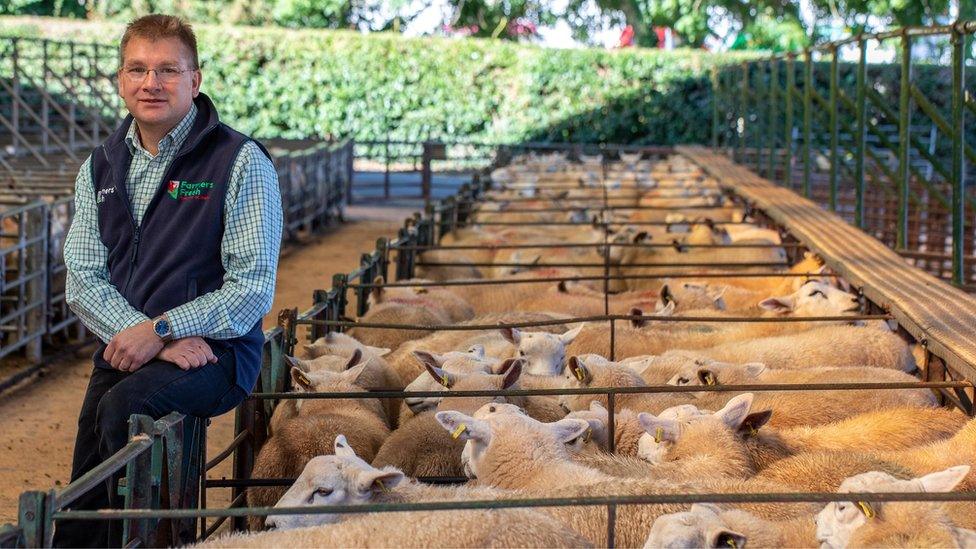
883,145
55,97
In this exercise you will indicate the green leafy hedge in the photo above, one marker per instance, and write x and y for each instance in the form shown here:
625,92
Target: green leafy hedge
300,84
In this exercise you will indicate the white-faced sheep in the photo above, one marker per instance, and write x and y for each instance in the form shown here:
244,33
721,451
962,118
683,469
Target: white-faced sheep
299,439
713,527
890,524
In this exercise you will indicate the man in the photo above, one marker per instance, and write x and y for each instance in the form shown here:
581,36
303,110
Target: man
171,258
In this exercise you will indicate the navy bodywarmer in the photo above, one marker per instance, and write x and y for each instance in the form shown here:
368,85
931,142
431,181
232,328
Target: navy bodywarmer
173,256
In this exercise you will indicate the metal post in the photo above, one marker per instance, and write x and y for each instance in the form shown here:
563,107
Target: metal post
958,158
773,115
760,137
15,105
834,107
904,131
425,174
859,139
743,114
788,111
716,84
807,118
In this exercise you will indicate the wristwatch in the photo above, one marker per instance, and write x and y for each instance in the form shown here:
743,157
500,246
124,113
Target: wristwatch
162,328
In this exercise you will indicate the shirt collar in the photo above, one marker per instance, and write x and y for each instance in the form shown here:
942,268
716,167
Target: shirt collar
173,140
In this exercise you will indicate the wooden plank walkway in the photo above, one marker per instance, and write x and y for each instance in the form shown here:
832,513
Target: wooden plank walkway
928,308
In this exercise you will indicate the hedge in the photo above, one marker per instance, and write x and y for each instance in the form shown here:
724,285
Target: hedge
278,83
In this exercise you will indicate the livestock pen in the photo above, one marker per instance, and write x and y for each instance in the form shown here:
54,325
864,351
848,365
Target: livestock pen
929,313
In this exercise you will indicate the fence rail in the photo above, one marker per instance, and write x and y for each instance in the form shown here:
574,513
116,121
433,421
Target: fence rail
868,141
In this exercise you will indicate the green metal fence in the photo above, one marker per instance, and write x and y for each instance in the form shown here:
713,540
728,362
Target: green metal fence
884,145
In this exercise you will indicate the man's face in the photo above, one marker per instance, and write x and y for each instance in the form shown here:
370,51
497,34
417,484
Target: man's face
156,102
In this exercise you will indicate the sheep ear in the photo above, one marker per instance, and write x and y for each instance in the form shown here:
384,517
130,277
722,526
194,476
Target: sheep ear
311,350
722,537
595,406
779,305
579,371
378,351
943,481
754,369
428,359
377,480
705,509
754,421
512,370
637,322
735,412
707,377
569,429
464,427
511,335
352,375
569,336
377,292
445,378
660,429
296,363
342,447
665,295
478,351
299,379
667,310
356,358
561,287
640,237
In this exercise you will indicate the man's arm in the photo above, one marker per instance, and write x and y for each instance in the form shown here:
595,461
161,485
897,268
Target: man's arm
88,291
249,253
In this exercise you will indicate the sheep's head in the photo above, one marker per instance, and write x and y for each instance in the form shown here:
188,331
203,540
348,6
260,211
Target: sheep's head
340,479
594,371
712,372
627,235
470,361
814,298
839,521
663,433
700,526
597,437
338,343
504,438
687,296
544,353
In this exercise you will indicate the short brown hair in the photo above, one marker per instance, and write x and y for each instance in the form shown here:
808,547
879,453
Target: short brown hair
157,26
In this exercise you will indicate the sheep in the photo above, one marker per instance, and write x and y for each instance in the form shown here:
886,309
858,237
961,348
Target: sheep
886,524
345,479
338,343
818,470
299,439
712,526
545,352
421,448
453,307
833,346
397,313
515,452
376,375
812,299
472,360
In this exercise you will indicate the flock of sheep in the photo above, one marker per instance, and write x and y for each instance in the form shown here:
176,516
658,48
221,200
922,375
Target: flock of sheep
367,450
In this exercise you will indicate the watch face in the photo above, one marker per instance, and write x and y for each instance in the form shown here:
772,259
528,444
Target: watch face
161,328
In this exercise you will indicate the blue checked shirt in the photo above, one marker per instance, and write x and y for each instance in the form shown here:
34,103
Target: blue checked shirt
249,249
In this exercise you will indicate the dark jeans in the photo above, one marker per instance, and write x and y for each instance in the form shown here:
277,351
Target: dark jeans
155,390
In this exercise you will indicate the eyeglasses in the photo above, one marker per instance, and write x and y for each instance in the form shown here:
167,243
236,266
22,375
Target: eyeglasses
166,75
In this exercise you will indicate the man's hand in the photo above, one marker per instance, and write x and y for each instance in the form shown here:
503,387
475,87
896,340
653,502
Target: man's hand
189,352
131,348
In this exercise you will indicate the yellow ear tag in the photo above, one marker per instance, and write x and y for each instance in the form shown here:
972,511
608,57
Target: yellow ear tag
444,381
459,431
659,435
303,379
752,431
379,484
587,435
710,380
579,374
731,543
866,508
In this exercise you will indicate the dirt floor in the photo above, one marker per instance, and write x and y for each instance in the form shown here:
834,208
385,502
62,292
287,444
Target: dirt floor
38,421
